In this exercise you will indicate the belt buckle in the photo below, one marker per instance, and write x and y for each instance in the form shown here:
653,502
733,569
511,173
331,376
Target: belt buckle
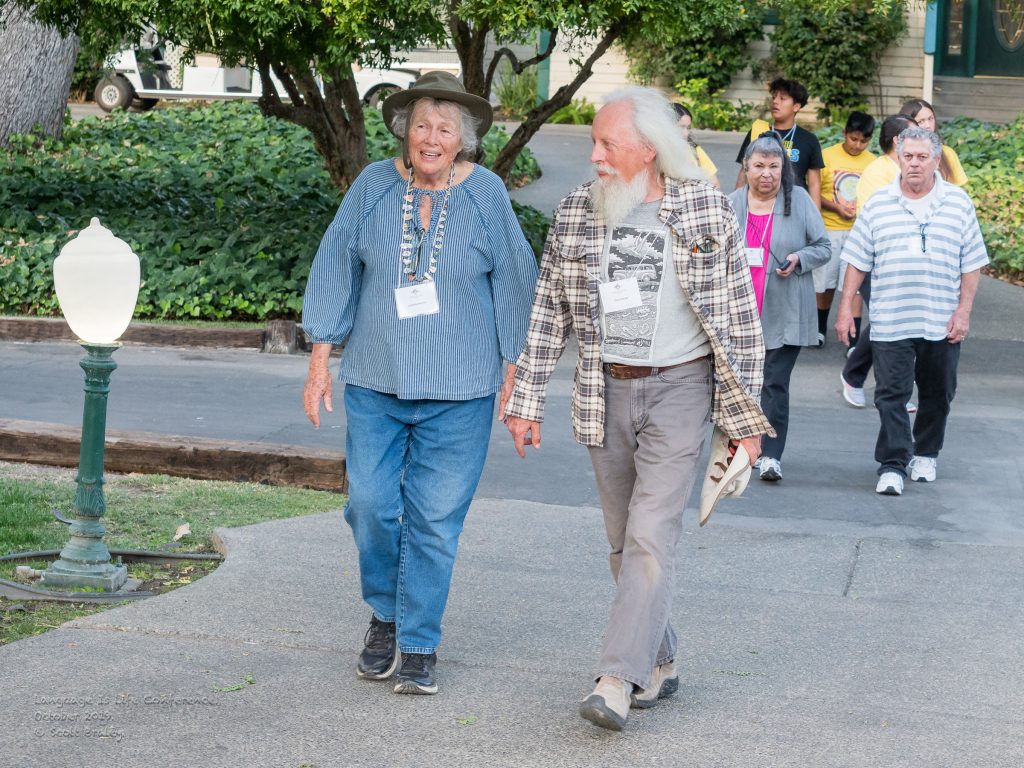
618,370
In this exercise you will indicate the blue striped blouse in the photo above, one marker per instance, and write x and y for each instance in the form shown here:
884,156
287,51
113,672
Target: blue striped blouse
485,279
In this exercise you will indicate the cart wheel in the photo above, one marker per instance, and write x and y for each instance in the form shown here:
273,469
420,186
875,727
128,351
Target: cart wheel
380,92
113,92
143,105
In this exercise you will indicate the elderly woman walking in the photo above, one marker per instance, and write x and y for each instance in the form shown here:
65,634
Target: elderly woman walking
785,240
426,278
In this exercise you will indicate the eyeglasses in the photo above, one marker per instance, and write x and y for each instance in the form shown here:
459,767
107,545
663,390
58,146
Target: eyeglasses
924,239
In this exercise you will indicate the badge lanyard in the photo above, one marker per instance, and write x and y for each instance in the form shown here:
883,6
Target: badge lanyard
420,297
759,259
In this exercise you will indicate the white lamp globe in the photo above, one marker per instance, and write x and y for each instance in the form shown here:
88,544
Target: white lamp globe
96,277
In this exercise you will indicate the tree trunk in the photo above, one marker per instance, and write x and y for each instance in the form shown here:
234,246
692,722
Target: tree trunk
36,64
470,42
334,117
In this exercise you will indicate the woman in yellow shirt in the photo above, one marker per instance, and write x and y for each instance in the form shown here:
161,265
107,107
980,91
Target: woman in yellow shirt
685,122
922,113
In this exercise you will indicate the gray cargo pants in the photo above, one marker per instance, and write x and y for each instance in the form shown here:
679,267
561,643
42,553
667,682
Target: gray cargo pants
654,430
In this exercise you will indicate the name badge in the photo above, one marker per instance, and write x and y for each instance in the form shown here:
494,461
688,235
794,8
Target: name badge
416,300
755,257
620,294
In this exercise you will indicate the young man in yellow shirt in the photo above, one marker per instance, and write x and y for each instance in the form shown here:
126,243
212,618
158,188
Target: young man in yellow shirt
844,164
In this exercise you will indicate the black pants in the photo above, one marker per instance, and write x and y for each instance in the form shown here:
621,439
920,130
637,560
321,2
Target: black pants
898,365
778,366
858,364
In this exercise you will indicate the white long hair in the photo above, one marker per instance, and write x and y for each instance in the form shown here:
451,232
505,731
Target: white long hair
655,123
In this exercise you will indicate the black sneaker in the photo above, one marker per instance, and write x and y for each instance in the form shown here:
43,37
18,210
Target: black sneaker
380,656
416,674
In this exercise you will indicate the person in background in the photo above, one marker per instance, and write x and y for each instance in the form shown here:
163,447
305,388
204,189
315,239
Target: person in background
425,277
785,240
922,113
919,238
685,124
802,146
844,163
879,174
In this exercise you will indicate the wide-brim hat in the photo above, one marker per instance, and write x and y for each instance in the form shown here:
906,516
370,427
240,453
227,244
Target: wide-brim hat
442,86
727,475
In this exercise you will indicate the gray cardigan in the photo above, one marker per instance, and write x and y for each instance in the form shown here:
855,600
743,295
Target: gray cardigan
789,314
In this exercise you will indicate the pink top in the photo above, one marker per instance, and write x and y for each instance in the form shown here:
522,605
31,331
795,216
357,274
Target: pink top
759,235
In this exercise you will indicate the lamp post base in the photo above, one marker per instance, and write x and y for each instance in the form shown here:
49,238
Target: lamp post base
85,559
107,577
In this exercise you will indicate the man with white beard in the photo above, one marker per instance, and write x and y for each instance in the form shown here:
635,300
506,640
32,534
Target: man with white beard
647,266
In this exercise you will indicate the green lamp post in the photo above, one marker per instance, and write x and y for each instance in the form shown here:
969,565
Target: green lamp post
96,277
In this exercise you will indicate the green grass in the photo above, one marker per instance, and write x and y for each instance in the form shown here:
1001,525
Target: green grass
143,512
18,624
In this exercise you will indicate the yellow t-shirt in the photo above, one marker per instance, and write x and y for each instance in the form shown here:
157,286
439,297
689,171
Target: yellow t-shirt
956,170
880,173
758,127
705,162
839,180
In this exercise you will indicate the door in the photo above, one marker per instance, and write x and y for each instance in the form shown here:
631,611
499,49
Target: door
955,39
1000,38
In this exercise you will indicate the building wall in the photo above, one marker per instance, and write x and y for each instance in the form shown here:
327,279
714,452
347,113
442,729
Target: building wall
610,72
902,73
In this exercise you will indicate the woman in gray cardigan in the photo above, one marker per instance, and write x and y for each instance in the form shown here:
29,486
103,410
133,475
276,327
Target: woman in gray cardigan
785,240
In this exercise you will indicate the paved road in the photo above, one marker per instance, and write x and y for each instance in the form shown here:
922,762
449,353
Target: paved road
822,625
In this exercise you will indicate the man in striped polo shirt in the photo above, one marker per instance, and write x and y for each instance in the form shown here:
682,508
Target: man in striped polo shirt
920,241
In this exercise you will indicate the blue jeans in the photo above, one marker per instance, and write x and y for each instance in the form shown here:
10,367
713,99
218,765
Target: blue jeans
413,466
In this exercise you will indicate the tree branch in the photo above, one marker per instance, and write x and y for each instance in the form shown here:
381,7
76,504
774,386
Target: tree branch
562,97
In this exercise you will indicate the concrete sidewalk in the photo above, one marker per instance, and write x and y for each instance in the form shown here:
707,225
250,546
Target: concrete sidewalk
820,624
798,650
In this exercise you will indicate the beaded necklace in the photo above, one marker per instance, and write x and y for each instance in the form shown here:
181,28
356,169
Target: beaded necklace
409,266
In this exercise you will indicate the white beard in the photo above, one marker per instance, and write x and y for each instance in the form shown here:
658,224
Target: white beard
614,198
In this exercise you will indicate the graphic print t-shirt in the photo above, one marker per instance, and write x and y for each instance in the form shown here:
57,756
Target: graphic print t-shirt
839,180
664,330
803,147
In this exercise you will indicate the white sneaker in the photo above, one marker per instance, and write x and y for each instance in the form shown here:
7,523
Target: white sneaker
820,340
911,407
922,469
851,394
770,469
890,484
664,682
608,705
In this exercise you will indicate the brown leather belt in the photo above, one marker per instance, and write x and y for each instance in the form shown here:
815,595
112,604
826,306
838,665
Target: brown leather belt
621,371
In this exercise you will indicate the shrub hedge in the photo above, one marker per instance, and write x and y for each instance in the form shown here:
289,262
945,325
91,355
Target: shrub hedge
224,207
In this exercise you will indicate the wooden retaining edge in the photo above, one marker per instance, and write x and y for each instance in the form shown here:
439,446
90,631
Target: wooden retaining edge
278,336
37,442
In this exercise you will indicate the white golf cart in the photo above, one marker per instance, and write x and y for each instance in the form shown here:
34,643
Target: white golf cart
142,76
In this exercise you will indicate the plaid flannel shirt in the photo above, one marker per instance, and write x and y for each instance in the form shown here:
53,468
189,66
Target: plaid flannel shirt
710,263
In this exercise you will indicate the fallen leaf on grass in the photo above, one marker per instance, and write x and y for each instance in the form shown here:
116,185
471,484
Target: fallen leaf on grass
183,530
